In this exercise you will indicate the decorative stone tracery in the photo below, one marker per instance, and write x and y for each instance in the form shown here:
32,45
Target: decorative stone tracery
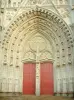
54,30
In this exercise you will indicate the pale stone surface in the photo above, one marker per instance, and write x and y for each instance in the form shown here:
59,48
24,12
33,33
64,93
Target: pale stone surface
36,28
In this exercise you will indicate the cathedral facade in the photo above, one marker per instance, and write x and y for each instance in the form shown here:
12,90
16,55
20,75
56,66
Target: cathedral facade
37,47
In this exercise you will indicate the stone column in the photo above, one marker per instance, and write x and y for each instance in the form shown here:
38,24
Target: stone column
37,78
37,73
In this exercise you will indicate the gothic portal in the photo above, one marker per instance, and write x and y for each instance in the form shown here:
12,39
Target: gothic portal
37,54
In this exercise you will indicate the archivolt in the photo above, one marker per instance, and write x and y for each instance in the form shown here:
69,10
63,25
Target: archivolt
49,25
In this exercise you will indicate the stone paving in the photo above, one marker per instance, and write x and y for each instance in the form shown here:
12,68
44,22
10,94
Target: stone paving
31,97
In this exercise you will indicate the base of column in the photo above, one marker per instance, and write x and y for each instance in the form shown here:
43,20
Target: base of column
70,94
37,93
57,94
64,94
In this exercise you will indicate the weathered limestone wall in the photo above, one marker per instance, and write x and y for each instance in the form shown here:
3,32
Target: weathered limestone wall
15,48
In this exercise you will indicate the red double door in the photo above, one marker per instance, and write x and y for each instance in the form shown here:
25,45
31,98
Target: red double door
46,78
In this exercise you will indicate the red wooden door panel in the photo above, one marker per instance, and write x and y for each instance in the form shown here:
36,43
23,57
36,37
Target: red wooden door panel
29,78
46,78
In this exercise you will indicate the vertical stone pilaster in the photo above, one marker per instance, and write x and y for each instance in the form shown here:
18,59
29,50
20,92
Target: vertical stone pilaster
37,69
37,79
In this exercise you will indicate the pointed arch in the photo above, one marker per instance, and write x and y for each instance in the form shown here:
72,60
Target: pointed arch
49,25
